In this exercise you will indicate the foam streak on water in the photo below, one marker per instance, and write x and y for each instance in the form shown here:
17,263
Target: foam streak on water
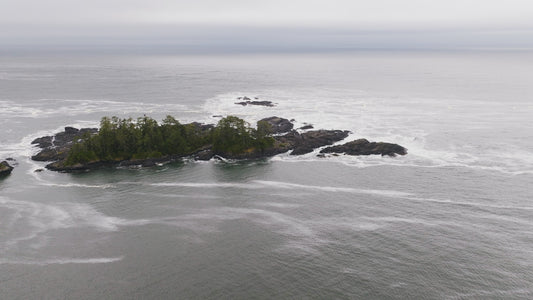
63,261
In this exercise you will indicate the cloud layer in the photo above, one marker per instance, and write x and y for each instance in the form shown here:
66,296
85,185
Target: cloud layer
348,21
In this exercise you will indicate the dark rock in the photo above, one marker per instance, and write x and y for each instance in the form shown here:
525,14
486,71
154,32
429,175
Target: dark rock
204,155
71,130
5,168
50,154
245,98
262,103
149,163
318,138
301,150
10,159
364,147
309,141
219,158
278,125
43,142
39,170
306,127
56,147
217,116
259,103
59,166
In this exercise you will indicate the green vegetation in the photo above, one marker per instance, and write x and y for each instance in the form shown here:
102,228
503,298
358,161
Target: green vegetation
125,139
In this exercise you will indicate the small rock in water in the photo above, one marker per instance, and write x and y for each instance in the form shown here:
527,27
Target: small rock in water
259,103
71,130
306,127
5,168
364,147
278,125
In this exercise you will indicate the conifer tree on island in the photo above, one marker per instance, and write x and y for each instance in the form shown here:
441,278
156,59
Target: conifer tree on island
126,139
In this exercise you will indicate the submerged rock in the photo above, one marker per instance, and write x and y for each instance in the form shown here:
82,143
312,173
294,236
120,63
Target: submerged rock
364,147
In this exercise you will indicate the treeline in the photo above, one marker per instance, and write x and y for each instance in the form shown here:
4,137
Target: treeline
124,139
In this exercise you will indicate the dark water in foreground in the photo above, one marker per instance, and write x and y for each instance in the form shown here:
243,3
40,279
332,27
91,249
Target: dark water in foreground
452,219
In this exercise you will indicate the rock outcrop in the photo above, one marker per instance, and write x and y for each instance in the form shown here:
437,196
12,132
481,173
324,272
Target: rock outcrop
56,147
5,168
248,101
364,147
303,143
278,125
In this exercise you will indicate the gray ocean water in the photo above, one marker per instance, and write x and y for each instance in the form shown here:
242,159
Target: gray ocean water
453,219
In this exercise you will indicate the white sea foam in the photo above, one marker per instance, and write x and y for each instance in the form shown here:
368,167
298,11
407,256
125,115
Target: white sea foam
174,195
76,185
436,132
285,185
279,205
31,221
207,185
465,203
62,214
40,109
263,184
63,261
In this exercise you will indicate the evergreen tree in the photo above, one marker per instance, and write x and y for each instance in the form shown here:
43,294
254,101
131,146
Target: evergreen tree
122,139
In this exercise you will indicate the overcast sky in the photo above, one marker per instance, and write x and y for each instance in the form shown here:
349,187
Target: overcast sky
372,23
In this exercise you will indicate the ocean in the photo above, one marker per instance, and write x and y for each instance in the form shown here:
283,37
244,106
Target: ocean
453,219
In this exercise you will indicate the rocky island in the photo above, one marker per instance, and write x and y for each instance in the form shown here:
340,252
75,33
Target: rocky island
247,101
145,142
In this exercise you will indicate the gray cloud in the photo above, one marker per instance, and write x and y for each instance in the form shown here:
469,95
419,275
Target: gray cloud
376,13
345,23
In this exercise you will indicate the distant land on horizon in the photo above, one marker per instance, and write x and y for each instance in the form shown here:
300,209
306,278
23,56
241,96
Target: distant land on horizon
230,39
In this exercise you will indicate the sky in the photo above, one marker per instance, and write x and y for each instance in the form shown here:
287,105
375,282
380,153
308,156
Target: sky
268,24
